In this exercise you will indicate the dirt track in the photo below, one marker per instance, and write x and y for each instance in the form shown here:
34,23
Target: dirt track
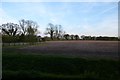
104,49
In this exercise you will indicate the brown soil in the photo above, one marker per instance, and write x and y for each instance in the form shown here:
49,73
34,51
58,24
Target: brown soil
94,49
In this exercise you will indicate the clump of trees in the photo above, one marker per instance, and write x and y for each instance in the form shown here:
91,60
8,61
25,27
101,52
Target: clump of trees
25,31
71,37
99,38
55,31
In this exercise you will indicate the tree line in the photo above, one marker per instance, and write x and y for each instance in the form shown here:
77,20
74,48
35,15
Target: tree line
27,30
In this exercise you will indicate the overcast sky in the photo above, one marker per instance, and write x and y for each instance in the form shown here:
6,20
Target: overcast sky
82,18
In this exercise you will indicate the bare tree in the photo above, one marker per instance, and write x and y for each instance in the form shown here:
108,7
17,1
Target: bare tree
50,30
28,27
58,31
23,26
31,27
10,29
55,31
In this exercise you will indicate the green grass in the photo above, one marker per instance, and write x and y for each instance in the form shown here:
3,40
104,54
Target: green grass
17,66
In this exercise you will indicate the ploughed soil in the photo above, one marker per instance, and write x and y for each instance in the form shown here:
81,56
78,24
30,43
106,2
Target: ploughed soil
87,49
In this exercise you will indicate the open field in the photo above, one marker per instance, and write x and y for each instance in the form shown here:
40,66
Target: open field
60,60
91,49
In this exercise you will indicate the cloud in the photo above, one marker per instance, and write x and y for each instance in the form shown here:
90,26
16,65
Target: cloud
107,27
6,18
107,10
67,16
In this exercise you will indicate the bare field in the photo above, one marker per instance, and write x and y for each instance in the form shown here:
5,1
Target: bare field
90,49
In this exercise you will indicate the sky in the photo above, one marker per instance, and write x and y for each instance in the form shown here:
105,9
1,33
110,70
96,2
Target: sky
82,18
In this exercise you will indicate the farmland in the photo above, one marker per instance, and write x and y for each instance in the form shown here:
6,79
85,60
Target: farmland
94,49
81,60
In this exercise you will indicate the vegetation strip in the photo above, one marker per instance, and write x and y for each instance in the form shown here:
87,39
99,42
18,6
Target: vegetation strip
37,67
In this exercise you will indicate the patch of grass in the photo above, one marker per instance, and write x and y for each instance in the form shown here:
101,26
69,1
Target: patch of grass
24,45
18,75
19,66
